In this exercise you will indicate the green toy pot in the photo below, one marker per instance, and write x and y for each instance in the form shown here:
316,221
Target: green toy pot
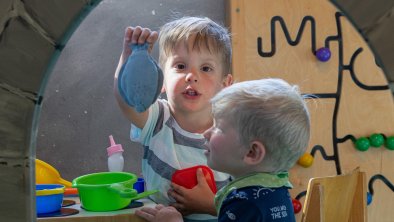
107,191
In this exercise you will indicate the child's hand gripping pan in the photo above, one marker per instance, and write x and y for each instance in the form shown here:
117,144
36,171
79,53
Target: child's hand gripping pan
188,177
140,79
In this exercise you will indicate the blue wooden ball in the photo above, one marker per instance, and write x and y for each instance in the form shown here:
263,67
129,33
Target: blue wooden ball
369,198
323,54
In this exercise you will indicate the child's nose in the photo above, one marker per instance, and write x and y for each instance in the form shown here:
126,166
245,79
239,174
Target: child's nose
191,77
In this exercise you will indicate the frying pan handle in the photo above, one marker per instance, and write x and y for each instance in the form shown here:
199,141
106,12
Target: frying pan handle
65,182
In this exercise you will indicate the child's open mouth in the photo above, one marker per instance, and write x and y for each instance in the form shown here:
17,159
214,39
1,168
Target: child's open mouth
191,92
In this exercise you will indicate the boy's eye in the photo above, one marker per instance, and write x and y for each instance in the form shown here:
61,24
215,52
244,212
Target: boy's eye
180,66
206,69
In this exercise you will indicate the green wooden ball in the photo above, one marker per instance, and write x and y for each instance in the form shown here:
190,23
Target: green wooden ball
390,143
362,144
376,140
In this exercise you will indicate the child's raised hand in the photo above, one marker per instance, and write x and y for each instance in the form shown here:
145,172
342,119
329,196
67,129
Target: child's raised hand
199,199
137,35
132,35
159,213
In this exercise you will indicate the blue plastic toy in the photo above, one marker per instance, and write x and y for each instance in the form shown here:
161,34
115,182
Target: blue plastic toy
140,80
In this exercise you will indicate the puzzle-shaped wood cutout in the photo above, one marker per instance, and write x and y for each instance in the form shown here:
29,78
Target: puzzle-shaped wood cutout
312,44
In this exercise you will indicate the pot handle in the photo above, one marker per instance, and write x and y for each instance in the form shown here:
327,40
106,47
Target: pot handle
144,194
123,191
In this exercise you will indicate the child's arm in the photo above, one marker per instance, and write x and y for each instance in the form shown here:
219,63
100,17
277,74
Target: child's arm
159,213
199,199
133,35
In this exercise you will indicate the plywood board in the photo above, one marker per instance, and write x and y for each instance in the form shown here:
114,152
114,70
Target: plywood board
280,39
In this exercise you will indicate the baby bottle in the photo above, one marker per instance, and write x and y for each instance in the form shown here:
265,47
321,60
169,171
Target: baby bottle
115,157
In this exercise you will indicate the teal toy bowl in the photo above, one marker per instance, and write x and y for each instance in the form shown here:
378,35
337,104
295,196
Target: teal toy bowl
49,197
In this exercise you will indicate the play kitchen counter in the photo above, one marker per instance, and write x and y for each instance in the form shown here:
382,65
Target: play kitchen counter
124,215
97,197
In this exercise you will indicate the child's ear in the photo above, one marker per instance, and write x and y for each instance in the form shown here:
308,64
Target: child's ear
255,154
228,80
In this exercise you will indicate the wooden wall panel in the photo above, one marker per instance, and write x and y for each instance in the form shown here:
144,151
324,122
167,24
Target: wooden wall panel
354,97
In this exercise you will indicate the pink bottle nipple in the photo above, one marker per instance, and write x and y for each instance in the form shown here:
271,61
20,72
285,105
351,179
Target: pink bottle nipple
114,148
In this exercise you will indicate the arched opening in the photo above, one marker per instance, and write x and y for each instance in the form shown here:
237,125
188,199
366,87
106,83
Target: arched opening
39,32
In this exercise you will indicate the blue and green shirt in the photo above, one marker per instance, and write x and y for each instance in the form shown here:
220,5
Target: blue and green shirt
258,197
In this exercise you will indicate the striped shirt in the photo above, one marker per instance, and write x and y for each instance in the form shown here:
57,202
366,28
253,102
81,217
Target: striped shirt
167,148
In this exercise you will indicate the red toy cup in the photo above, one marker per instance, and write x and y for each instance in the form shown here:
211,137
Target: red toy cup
188,177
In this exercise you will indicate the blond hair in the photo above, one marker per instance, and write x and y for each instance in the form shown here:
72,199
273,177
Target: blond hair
270,111
208,34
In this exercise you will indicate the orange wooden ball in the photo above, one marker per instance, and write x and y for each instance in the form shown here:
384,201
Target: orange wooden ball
306,160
